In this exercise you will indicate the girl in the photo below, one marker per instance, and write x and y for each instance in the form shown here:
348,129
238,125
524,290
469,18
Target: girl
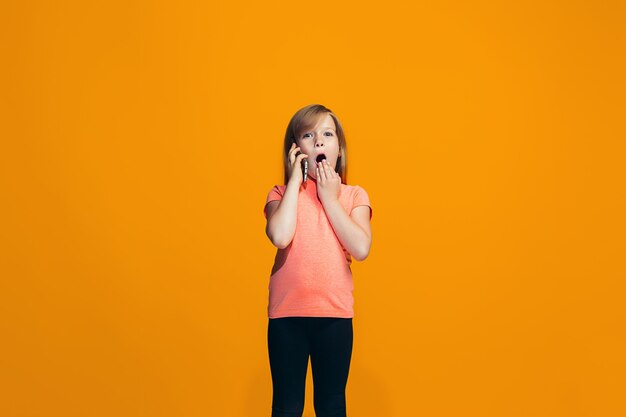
318,223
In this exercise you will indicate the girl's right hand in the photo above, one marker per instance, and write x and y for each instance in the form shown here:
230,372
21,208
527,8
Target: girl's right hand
295,164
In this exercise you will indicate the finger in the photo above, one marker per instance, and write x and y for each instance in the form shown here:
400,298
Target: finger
327,169
333,173
322,173
293,152
301,156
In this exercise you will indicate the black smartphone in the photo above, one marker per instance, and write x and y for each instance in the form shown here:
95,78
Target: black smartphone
305,168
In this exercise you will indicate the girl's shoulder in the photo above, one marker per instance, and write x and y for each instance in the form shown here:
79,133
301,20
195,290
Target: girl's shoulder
277,190
355,196
346,189
354,192
352,188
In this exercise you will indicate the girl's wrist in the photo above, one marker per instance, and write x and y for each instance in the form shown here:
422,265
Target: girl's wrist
293,183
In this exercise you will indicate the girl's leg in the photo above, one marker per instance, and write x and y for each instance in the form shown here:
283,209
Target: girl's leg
288,349
331,350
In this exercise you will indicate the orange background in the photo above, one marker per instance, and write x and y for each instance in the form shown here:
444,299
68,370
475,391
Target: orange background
140,139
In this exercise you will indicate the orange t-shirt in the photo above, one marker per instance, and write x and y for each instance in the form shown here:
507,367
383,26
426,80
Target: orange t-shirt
312,277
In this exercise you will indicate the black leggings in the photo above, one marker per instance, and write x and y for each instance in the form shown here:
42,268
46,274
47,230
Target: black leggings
290,341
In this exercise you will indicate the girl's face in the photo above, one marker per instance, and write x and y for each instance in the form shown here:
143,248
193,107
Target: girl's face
320,142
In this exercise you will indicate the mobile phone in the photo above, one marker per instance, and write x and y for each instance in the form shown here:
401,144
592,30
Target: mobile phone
305,168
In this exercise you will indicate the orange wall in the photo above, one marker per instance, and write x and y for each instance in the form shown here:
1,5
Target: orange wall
139,141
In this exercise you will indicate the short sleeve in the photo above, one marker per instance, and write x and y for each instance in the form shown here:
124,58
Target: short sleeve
276,193
360,198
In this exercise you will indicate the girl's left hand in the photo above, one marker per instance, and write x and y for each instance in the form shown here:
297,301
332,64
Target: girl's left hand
328,182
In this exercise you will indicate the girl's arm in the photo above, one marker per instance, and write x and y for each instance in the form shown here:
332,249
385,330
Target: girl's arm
354,231
281,217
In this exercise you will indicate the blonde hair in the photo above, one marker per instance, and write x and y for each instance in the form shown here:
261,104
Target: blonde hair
304,119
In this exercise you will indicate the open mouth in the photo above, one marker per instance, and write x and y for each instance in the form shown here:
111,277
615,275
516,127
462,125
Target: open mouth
320,157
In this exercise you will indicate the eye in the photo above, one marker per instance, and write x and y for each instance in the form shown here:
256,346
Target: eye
330,133
304,136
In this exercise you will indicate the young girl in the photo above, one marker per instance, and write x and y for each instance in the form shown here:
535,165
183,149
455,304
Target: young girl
318,223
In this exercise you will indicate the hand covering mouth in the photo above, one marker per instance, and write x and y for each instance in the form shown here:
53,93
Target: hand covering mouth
320,157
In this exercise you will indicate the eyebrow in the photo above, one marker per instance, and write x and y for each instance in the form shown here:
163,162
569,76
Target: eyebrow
323,128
